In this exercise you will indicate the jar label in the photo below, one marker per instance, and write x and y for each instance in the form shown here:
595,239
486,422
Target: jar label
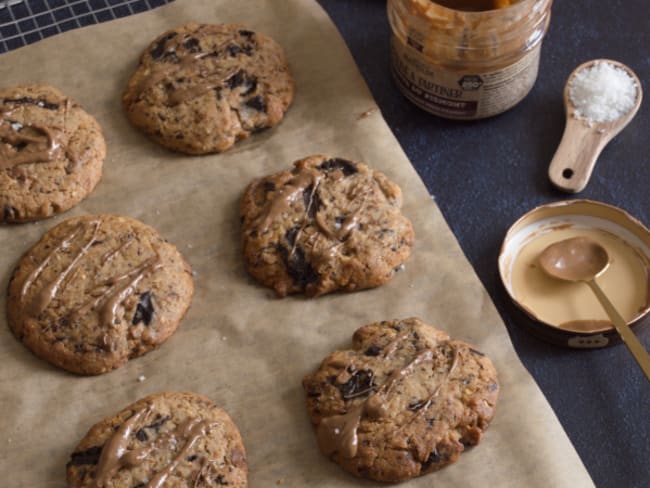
461,94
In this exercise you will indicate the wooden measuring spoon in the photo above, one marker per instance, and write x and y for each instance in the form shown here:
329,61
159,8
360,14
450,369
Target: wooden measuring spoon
583,142
583,259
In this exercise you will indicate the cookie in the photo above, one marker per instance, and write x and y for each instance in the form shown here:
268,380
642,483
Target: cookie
200,88
51,153
405,401
329,224
96,291
166,439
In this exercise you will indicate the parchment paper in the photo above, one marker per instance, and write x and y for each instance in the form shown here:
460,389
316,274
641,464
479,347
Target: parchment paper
239,345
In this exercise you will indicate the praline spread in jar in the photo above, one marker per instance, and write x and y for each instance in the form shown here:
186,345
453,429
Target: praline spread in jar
463,62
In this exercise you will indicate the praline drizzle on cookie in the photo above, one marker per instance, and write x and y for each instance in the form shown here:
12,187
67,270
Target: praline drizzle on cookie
201,87
51,153
405,401
179,439
96,291
329,224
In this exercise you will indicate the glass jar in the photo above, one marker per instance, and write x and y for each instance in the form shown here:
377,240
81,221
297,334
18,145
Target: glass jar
466,65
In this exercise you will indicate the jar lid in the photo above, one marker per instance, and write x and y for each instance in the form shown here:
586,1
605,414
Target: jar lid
568,313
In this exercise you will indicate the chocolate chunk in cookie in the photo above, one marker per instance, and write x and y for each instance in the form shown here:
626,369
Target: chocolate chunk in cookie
200,88
51,153
165,439
329,224
96,291
408,408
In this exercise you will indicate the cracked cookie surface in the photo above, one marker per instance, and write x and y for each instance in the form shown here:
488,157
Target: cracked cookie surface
406,400
329,224
51,153
96,291
200,88
170,439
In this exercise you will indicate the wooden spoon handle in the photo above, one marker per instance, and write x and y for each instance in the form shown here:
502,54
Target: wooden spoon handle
633,344
576,156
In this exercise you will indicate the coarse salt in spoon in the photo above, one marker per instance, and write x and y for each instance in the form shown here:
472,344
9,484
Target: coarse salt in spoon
600,98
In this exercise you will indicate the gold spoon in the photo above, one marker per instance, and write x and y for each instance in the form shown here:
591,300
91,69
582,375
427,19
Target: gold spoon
583,142
582,259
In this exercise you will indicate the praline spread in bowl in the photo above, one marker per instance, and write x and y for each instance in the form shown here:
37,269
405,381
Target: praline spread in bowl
568,313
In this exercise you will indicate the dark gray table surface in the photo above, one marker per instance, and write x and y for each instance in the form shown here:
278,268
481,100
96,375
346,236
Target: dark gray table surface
483,176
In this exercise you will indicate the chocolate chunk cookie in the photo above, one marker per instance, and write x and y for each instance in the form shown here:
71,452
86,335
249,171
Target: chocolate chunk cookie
200,88
96,291
329,224
405,401
166,439
51,153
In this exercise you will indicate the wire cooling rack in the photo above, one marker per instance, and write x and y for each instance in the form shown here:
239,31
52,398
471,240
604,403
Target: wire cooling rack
24,22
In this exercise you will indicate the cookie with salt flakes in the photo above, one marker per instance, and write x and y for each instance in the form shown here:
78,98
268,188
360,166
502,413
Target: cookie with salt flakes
97,291
200,88
406,400
329,224
51,153
166,439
